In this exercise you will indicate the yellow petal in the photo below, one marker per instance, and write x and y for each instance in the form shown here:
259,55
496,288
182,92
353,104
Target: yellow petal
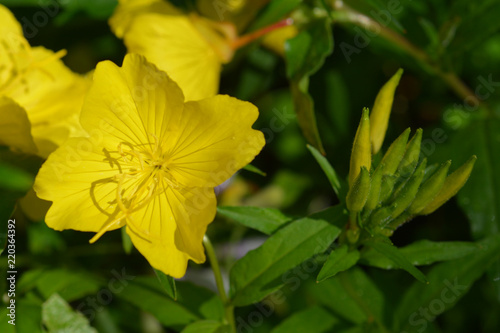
128,10
177,219
176,47
15,128
13,47
131,104
215,140
78,178
170,40
9,23
52,96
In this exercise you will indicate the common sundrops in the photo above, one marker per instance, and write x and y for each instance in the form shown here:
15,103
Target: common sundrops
150,162
40,97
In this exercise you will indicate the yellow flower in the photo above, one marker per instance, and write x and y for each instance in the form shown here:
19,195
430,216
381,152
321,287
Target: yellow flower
190,48
150,163
45,91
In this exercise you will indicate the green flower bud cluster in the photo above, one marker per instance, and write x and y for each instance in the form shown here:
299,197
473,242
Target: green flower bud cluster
401,186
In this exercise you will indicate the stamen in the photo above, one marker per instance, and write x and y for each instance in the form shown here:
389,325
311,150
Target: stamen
105,228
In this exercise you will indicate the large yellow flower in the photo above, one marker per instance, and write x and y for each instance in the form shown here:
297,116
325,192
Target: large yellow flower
190,48
150,162
35,86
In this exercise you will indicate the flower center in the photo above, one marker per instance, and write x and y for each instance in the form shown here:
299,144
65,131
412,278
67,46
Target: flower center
143,174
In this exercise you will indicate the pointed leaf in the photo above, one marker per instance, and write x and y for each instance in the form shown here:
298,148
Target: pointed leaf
352,295
305,54
265,220
193,303
168,283
420,253
254,169
262,270
385,247
58,316
327,169
339,260
448,282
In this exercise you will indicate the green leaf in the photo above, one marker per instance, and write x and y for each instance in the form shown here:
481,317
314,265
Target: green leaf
265,220
305,54
15,179
327,169
207,326
254,169
193,303
168,283
69,284
304,108
58,317
275,11
352,295
314,319
339,260
385,247
448,282
262,270
420,253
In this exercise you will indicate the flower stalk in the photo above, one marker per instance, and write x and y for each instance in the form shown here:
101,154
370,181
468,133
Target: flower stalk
214,263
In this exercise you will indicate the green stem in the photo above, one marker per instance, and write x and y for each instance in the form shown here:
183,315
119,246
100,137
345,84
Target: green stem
346,15
228,307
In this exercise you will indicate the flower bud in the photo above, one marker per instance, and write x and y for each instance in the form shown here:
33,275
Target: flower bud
386,187
395,153
358,193
361,155
412,153
429,189
453,183
382,110
408,192
376,183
